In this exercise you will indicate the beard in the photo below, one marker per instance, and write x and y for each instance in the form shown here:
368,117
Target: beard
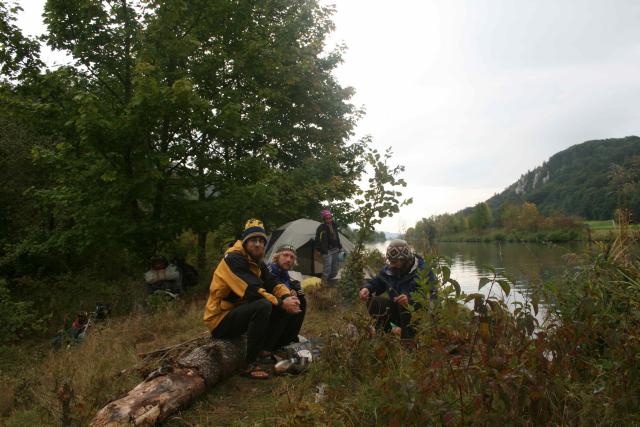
256,256
402,269
286,266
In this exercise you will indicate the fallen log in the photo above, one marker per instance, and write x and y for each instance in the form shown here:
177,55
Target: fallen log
171,387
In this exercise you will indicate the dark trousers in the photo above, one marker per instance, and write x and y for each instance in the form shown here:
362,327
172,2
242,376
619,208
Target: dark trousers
267,327
251,318
385,311
163,285
284,327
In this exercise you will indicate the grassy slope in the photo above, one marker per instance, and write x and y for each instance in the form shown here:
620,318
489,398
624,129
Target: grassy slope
105,366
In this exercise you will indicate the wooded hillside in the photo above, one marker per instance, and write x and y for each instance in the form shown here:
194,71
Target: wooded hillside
575,181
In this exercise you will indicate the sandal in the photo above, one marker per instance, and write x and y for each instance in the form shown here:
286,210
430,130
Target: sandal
254,372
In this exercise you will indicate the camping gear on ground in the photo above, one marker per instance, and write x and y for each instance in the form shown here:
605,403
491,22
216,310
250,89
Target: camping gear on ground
80,326
298,356
300,234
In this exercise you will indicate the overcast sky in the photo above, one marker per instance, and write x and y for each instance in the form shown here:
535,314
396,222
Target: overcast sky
471,94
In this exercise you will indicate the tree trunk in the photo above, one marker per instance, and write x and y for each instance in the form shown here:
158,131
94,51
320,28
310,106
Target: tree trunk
161,394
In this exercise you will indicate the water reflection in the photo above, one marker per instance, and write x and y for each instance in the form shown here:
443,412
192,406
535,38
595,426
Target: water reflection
525,264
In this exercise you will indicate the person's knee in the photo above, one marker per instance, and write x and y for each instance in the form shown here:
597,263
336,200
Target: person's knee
263,307
379,305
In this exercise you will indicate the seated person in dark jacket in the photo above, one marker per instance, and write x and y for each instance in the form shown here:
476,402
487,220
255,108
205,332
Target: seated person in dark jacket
282,261
243,296
188,272
162,276
398,280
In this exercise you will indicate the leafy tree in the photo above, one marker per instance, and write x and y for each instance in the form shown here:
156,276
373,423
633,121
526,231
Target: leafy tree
424,233
481,216
19,55
575,181
187,113
529,217
379,200
624,182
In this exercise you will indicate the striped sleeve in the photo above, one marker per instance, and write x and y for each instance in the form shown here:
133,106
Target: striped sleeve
271,284
242,281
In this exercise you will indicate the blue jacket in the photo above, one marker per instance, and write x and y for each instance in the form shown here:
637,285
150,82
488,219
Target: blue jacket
385,281
282,276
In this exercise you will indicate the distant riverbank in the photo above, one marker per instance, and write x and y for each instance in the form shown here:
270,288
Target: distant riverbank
591,231
502,235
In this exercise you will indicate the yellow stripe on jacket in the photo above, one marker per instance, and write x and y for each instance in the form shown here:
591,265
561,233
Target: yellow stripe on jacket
236,280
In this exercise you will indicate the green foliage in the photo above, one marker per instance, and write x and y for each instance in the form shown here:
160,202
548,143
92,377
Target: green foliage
625,183
589,180
172,117
480,217
26,417
374,260
576,181
352,277
379,200
18,319
495,362
19,55
161,301
514,223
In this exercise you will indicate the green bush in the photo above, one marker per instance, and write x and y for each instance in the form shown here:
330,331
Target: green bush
17,318
496,363
352,275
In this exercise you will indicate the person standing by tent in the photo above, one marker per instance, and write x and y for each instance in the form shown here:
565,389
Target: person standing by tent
327,242
283,260
243,294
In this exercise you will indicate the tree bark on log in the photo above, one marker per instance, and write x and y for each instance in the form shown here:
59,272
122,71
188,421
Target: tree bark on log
161,394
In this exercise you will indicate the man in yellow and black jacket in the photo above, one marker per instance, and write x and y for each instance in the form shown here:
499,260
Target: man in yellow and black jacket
243,294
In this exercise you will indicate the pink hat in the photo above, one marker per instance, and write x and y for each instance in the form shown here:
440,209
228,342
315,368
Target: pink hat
325,213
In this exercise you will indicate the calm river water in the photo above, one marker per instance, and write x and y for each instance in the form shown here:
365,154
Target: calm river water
525,263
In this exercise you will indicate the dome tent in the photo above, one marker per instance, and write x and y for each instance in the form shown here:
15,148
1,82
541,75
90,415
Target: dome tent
300,234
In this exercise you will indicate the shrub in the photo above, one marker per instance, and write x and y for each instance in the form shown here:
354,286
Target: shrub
17,318
352,276
496,363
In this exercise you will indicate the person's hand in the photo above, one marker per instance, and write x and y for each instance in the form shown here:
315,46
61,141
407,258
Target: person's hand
364,294
401,299
291,305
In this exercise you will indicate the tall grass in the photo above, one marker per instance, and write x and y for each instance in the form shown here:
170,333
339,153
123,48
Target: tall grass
68,386
489,365
494,364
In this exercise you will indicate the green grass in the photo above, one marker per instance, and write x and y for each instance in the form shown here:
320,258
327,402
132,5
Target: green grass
106,366
608,224
606,230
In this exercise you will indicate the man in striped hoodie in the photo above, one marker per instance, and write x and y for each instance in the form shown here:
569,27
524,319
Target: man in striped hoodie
243,294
